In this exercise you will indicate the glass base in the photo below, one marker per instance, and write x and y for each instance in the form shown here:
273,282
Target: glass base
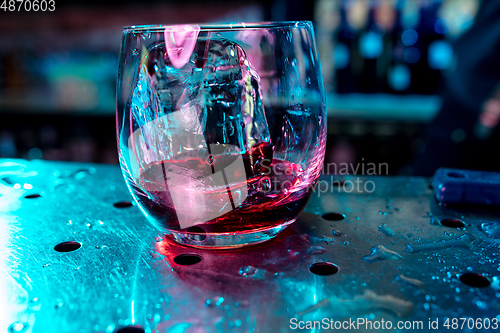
229,240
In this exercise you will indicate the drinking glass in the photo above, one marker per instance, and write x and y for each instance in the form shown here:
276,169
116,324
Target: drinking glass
220,128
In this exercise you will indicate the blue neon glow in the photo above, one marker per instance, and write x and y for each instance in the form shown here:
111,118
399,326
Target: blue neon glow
341,56
399,77
440,54
412,55
442,26
409,37
370,45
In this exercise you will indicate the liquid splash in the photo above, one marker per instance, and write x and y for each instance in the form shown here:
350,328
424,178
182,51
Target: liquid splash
464,241
179,328
369,300
491,229
18,327
386,230
413,282
216,301
248,271
379,253
314,250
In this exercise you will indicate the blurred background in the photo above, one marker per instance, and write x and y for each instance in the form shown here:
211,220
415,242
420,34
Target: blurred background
384,64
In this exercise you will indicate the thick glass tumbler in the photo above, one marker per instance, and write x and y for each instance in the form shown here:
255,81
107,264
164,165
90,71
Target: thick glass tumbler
221,128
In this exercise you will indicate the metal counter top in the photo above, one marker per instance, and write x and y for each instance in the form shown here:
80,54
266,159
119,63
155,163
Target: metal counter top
394,260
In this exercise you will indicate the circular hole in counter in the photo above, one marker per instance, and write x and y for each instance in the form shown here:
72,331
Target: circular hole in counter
323,268
187,259
333,216
123,204
453,223
475,280
131,329
68,246
32,196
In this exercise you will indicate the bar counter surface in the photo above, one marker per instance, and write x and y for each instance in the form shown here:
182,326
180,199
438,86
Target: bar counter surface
77,255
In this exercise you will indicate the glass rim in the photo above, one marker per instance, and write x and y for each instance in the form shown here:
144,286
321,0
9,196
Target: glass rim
224,26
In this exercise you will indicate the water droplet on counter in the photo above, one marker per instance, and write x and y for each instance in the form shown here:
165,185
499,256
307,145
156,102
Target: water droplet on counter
15,177
34,302
179,328
314,250
379,253
491,229
83,173
328,240
59,303
415,282
110,328
337,233
19,327
386,230
46,265
464,241
434,220
247,271
216,301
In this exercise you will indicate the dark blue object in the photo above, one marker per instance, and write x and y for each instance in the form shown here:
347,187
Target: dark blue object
467,186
